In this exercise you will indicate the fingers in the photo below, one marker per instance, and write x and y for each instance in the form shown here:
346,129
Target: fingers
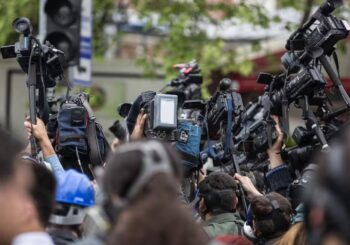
143,120
277,126
237,177
139,117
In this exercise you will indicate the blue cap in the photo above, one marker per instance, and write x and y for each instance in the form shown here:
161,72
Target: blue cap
75,188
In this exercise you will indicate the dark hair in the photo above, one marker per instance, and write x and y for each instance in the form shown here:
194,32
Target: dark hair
155,216
42,191
116,166
9,148
219,192
271,221
329,193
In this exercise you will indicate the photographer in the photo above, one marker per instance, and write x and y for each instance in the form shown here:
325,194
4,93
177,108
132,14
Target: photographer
271,217
38,204
74,195
327,204
218,205
141,182
13,192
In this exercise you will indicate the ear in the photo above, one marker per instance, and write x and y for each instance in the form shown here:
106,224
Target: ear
254,227
235,202
28,212
202,209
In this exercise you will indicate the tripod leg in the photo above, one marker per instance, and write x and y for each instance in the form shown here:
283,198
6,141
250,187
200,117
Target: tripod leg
334,77
31,83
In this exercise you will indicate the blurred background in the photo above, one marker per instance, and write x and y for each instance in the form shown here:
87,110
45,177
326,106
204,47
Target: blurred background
130,46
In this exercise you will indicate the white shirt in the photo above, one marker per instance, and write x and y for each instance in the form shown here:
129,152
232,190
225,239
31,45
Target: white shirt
33,238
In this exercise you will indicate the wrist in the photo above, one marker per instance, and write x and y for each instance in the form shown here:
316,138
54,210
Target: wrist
275,160
253,194
43,140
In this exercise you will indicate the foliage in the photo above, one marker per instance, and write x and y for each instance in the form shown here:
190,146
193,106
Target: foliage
9,10
186,41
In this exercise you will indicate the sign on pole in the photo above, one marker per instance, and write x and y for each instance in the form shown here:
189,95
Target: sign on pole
82,72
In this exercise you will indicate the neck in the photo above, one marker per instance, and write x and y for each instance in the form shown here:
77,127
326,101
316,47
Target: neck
33,226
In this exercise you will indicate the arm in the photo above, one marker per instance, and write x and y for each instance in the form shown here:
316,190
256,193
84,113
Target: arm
247,186
278,177
40,134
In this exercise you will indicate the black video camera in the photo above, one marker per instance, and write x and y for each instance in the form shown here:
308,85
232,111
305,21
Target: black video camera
29,50
315,38
218,107
187,85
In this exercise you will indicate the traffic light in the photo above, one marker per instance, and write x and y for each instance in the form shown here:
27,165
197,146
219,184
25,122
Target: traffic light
62,27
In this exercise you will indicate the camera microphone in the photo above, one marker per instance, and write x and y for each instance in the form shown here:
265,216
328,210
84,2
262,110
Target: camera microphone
225,84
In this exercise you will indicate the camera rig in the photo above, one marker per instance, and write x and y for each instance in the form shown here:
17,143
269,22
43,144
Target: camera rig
302,84
41,63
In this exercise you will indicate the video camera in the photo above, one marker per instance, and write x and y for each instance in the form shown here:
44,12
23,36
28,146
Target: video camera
161,122
316,37
41,63
29,50
302,84
187,85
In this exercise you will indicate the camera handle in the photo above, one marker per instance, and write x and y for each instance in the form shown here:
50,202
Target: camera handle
310,117
229,148
334,77
31,84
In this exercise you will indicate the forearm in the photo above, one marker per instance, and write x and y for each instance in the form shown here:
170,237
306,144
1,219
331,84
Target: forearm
275,160
55,164
46,147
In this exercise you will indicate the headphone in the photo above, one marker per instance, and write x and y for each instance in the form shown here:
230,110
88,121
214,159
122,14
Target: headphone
151,166
276,216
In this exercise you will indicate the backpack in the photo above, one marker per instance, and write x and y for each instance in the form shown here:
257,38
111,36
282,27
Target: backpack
78,134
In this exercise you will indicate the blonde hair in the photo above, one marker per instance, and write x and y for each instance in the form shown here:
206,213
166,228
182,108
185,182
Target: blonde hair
296,235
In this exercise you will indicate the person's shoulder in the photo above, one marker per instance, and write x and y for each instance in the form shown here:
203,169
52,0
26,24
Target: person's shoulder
224,224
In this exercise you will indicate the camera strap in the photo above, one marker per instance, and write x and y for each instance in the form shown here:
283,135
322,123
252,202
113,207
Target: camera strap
95,154
228,138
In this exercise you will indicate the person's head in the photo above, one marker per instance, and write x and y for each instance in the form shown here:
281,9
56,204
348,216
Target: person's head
40,184
327,200
74,193
143,179
218,194
271,215
129,164
12,193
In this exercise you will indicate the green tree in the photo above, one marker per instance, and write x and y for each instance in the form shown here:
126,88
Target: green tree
185,41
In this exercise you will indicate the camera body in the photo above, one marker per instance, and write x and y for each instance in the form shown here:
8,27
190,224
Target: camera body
161,122
252,136
307,82
29,50
218,107
315,38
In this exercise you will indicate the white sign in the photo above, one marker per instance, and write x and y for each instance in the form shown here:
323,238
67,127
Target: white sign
82,72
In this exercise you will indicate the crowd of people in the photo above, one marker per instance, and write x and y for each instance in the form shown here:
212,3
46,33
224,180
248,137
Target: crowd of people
137,197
